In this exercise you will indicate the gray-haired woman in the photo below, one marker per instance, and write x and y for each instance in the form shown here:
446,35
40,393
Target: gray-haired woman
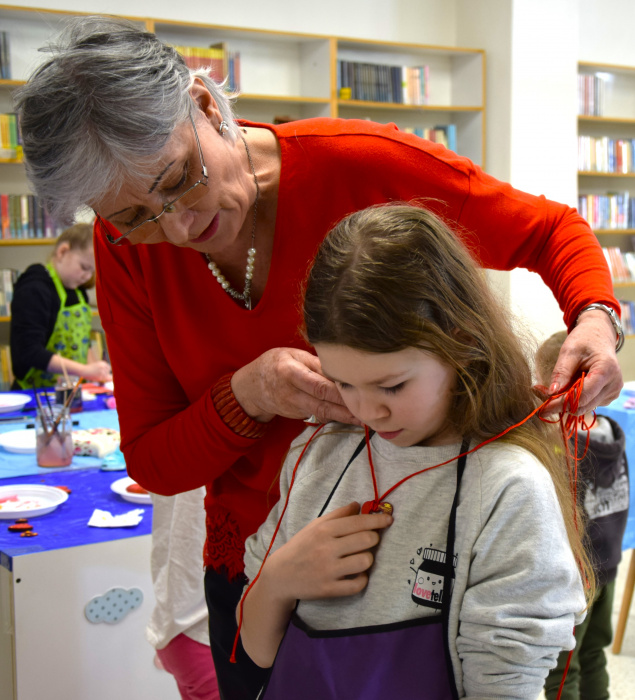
213,378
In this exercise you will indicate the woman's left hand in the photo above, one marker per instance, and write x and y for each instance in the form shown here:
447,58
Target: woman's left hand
589,348
288,382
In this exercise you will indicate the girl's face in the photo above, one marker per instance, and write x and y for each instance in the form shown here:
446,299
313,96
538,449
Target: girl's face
404,396
74,267
213,220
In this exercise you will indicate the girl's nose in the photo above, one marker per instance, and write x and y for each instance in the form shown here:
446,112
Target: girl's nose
369,410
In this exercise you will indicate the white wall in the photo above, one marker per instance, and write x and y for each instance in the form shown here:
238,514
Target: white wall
606,31
417,21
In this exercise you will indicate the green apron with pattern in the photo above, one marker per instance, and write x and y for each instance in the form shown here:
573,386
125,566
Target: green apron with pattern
70,337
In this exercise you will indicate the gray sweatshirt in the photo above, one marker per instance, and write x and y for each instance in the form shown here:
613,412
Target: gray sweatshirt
517,592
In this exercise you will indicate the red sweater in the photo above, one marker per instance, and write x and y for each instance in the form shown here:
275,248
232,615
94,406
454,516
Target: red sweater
172,331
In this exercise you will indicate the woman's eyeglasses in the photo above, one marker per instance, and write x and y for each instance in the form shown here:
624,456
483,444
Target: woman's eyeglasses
188,198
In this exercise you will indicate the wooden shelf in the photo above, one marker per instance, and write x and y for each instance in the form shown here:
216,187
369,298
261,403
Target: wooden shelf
411,108
593,173
606,120
613,231
27,241
623,284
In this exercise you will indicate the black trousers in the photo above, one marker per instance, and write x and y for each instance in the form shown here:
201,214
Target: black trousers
244,679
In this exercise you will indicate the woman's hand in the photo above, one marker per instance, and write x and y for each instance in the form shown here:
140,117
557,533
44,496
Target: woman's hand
288,382
329,558
590,347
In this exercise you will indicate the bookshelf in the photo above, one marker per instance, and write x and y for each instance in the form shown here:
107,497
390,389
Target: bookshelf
282,75
606,175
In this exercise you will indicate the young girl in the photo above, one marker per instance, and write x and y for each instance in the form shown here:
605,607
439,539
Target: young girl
50,316
458,578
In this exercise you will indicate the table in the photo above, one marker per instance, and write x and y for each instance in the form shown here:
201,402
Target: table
626,419
48,648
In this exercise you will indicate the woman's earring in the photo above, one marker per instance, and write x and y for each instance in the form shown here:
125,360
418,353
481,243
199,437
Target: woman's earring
223,128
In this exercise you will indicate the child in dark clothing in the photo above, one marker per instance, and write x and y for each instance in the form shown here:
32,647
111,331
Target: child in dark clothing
603,488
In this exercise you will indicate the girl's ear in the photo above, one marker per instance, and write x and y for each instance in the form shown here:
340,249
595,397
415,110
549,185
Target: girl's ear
61,250
206,103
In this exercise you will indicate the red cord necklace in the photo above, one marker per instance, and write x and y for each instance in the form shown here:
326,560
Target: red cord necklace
568,427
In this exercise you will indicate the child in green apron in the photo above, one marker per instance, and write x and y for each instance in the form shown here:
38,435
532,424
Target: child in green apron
51,318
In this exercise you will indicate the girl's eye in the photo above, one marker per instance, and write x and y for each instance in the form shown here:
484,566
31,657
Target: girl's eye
393,389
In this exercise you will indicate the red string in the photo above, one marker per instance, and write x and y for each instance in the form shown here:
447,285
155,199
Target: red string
232,658
568,429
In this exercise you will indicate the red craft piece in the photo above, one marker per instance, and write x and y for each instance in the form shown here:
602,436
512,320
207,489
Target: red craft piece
371,507
135,488
64,488
20,526
29,533
22,520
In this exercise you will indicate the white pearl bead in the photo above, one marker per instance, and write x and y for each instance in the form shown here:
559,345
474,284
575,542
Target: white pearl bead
224,284
249,275
251,252
250,267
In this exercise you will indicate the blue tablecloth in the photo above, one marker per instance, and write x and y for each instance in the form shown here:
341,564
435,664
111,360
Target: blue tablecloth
67,525
12,464
626,419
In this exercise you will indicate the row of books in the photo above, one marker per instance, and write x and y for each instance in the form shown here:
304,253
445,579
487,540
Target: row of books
608,211
21,216
5,56
8,278
590,95
6,373
628,316
372,82
10,141
221,62
605,155
621,263
445,135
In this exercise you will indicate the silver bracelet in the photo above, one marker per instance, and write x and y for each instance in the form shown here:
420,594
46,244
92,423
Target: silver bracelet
615,320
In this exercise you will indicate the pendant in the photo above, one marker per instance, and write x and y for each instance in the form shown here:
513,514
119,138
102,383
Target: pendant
374,507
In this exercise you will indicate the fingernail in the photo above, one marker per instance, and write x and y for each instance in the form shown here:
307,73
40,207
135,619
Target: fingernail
553,389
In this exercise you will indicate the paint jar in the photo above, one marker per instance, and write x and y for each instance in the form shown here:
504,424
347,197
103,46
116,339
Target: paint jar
53,436
63,390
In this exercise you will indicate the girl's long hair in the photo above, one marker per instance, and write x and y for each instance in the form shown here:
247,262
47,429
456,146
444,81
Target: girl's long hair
395,276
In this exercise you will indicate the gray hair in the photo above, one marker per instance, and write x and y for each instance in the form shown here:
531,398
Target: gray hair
101,108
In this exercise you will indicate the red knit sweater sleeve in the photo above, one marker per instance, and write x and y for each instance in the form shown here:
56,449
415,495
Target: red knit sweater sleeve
171,443
509,228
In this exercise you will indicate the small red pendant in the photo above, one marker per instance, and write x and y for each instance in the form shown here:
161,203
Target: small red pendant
373,507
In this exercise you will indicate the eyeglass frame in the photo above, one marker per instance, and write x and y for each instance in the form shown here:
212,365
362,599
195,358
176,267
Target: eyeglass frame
168,207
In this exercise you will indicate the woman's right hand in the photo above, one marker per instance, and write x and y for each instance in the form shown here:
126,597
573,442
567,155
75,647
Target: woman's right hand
288,382
97,371
329,558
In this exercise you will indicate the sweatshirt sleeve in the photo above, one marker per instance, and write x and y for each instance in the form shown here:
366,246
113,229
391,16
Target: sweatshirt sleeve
34,309
524,593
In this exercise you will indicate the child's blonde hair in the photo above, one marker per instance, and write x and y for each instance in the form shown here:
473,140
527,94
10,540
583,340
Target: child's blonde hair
393,277
78,237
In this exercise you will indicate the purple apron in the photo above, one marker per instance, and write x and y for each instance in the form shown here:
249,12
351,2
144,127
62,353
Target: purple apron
400,660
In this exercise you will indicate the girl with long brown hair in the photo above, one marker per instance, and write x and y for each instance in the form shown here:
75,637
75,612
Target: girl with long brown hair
408,563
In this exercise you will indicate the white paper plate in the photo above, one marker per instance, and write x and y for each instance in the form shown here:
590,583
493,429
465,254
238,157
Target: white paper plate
120,486
29,500
21,442
13,402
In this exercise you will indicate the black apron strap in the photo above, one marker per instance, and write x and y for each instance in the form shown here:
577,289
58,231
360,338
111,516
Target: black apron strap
449,573
358,449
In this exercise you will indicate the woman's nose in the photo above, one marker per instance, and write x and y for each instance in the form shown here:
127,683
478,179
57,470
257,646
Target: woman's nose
176,225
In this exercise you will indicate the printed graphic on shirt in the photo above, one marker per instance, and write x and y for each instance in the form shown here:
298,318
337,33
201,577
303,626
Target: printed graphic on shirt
600,502
429,583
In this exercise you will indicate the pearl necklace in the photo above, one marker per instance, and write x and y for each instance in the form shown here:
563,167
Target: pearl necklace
245,297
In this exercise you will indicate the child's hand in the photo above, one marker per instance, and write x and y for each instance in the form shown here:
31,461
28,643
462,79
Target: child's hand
328,558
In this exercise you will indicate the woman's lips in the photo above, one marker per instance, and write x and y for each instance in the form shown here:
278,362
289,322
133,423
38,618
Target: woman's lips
209,231
389,436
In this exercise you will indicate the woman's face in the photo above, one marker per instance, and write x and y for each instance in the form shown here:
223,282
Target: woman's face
209,224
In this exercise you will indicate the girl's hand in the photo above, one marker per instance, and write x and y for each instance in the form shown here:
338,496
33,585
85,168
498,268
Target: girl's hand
97,371
329,558
288,382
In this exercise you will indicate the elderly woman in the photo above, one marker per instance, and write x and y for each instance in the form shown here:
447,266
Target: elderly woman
205,228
